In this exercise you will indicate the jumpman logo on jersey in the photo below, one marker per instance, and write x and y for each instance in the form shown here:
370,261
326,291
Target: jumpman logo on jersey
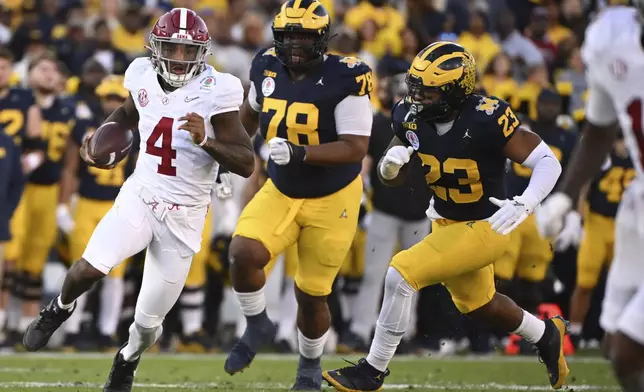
467,134
319,83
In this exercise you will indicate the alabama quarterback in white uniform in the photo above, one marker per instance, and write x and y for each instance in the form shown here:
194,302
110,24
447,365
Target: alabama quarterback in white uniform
613,52
187,116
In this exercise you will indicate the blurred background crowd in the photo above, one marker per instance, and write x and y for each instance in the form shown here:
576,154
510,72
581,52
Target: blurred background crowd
527,53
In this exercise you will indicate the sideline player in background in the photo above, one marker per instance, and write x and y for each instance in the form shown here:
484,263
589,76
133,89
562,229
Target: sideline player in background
40,197
11,184
463,141
21,120
187,117
97,189
596,248
314,111
613,53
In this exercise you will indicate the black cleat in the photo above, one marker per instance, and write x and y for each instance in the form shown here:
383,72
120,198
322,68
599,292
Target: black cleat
306,384
121,376
196,343
40,330
351,342
239,358
260,331
551,351
357,378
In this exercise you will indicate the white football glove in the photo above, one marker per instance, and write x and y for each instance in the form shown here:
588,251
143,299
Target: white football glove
550,217
224,189
283,152
431,211
571,233
278,151
511,213
395,158
64,219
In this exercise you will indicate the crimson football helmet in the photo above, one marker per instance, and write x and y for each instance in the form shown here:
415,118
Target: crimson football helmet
179,43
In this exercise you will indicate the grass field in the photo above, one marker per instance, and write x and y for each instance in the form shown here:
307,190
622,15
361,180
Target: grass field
87,372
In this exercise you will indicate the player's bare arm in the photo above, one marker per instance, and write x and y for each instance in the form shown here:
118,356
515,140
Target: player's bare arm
386,161
349,149
249,118
594,145
231,146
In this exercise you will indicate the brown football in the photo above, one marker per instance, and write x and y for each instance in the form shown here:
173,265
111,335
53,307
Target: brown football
110,144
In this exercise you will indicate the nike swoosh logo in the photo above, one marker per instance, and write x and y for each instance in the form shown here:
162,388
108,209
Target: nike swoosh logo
190,99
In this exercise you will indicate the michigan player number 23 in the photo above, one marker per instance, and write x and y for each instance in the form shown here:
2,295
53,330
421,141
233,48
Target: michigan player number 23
453,166
302,119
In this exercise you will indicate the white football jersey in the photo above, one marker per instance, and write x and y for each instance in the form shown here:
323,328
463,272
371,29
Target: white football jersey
169,163
614,60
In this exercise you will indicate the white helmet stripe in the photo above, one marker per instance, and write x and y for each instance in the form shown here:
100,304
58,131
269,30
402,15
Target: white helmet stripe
183,18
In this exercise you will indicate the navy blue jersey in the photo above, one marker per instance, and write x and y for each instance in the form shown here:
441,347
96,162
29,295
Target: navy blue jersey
304,113
13,113
57,123
95,183
606,190
11,182
560,141
464,166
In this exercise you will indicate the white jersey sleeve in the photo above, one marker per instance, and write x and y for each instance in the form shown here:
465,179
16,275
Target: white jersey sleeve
614,61
229,94
133,73
353,116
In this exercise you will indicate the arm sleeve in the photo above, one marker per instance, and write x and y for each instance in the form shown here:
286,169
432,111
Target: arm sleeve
353,116
546,170
252,98
229,98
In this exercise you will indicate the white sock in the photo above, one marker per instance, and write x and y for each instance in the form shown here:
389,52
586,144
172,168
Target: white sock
531,328
73,323
311,348
253,303
191,311
576,328
288,311
393,320
112,294
62,305
14,310
24,323
140,340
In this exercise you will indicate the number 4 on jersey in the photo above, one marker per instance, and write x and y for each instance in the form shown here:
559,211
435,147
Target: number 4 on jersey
163,131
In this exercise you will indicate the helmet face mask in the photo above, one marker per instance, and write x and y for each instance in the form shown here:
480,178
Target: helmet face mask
179,44
439,80
301,34
299,49
177,62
